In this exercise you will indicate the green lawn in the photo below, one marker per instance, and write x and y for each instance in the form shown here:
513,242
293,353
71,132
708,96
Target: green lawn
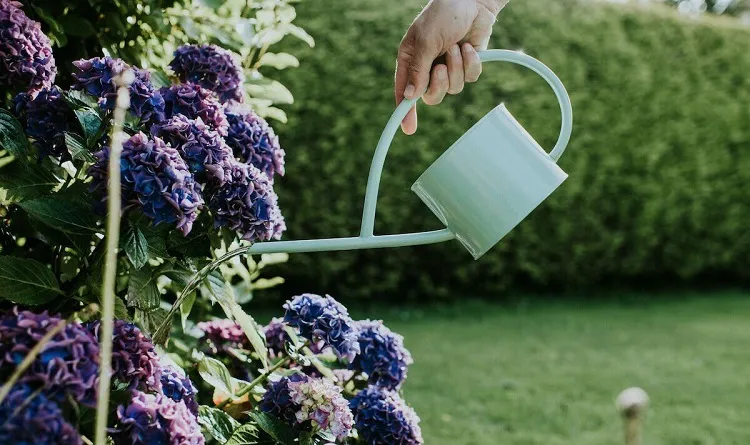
547,373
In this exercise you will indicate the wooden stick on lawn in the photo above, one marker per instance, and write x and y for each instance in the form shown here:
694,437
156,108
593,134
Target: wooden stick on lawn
632,404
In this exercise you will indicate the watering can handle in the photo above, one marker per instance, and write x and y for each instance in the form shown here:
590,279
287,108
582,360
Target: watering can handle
493,55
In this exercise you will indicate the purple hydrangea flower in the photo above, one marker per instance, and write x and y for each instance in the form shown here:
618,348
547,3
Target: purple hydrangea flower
211,67
223,334
155,179
96,77
68,365
134,360
155,419
179,387
25,52
299,399
276,337
202,148
247,204
45,118
27,417
382,355
381,417
254,141
195,102
323,319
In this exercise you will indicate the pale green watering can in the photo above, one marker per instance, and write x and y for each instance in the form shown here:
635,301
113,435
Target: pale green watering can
480,188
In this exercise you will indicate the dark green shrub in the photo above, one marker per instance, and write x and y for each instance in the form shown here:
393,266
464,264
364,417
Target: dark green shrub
659,162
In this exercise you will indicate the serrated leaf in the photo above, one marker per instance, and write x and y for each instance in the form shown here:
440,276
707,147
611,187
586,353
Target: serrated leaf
279,60
252,331
224,295
216,374
121,311
78,99
186,307
68,215
91,124
245,435
278,430
22,182
27,281
149,321
77,26
217,423
143,293
136,246
77,148
12,137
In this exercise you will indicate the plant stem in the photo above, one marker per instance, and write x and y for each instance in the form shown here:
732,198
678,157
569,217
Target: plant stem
34,352
110,266
258,380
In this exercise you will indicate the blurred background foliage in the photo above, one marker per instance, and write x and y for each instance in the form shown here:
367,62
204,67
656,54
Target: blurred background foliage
145,33
659,160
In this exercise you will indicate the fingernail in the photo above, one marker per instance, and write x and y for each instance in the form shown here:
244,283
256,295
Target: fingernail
409,91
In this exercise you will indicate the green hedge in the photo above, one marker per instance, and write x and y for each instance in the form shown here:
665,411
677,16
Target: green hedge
659,161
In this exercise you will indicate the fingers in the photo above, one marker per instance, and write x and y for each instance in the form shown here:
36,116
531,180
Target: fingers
415,56
409,124
472,64
455,64
439,84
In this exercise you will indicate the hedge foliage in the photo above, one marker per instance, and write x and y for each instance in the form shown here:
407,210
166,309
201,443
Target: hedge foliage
659,161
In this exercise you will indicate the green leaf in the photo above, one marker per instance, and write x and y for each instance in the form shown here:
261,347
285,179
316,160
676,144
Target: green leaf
186,307
27,281
56,30
77,26
77,148
220,293
143,293
297,32
273,90
306,438
278,430
68,215
252,331
195,245
245,29
121,311
12,137
212,4
23,181
216,374
275,113
245,435
279,60
78,99
149,321
91,123
136,246
160,79
156,237
217,423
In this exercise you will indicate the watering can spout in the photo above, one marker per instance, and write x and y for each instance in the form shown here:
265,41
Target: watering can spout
480,188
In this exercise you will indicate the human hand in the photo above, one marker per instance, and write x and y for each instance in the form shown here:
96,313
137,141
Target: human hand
455,29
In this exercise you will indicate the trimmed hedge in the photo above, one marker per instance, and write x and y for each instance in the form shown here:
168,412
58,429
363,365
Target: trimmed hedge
659,161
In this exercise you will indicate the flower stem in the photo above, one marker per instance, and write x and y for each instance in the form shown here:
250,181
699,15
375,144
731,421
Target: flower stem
258,380
110,265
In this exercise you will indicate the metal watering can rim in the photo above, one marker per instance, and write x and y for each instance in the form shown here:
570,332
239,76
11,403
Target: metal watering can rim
367,239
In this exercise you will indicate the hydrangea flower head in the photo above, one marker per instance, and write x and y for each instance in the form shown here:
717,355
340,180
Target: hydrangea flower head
211,67
222,334
28,417
323,319
299,399
45,117
276,337
382,355
381,417
194,102
202,148
179,387
68,365
155,179
96,77
247,204
25,52
134,360
151,419
254,141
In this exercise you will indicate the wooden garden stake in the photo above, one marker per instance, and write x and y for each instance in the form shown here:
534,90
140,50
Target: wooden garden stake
632,404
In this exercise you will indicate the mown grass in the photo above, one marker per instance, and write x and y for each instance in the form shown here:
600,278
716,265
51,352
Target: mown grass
548,372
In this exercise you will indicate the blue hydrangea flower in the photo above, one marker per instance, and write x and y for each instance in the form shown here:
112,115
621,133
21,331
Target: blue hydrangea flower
96,77
155,180
247,204
276,337
155,419
195,102
211,67
179,387
68,365
134,360
27,417
254,141
202,148
382,355
45,118
299,399
25,52
381,417
325,320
